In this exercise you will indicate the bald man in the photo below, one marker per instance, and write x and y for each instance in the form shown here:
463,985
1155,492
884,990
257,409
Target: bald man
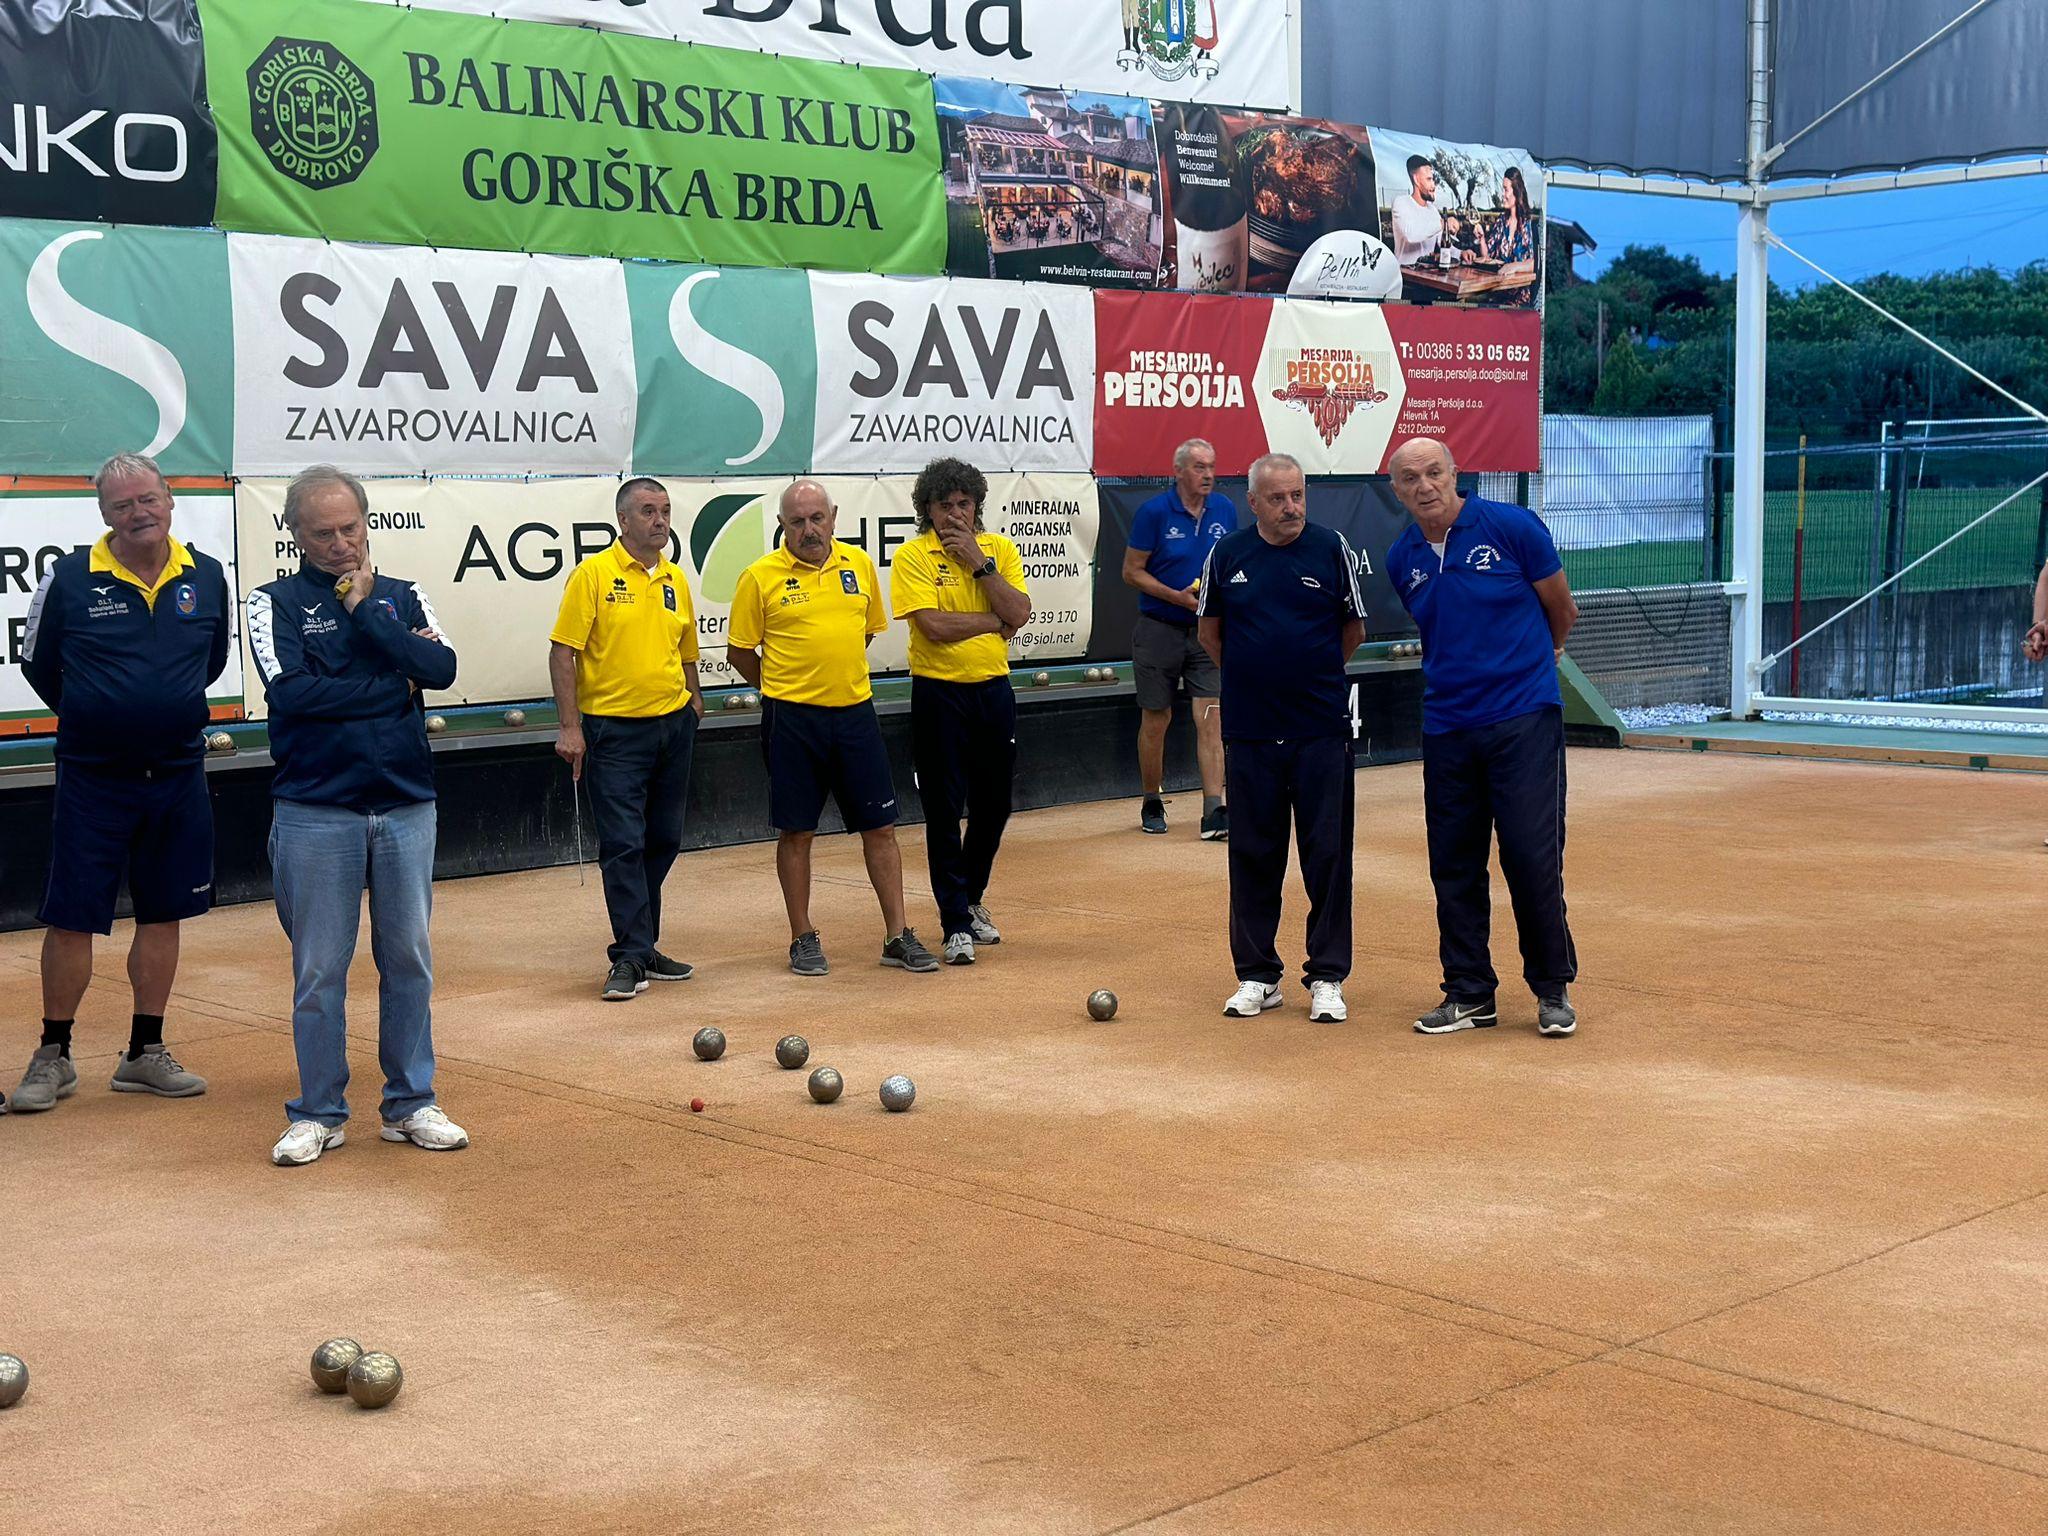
1485,586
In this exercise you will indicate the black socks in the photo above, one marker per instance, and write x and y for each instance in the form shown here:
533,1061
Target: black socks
58,1032
146,1032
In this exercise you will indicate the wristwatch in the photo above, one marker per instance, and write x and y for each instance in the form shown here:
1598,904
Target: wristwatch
986,568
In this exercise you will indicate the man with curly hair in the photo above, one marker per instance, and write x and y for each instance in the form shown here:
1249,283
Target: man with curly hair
961,588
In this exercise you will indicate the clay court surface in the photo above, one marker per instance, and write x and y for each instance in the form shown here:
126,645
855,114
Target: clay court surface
1764,1248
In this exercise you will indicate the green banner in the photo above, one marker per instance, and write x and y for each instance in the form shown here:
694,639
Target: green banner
114,339
418,127
728,370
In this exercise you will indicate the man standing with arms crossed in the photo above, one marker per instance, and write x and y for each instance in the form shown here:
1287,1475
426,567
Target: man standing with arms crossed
1281,614
1487,590
802,617
962,589
623,662
345,654
1171,536
121,643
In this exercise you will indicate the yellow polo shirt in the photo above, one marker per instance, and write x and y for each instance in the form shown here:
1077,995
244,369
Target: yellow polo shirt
631,629
811,624
102,562
925,577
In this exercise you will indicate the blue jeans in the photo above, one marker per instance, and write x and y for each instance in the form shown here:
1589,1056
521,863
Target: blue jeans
321,857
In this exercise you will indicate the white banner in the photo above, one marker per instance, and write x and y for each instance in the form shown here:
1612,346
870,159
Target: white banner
493,557
1608,480
1235,52
37,528
912,369
397,360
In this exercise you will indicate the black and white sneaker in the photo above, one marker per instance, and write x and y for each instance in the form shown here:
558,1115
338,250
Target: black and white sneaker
807,955
1152,815
907,953
1555,1016
1451,1016
982,926
1216,824
625,981
661,968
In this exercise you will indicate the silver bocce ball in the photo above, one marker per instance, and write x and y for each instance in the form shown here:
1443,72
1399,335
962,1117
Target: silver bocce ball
792,1051
826,1085
898,1093
708,1043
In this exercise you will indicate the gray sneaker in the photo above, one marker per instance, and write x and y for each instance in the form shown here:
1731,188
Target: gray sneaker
1450,1016
807,955
907,953
959,949
1555,1016
156,1071
50,1077
982,925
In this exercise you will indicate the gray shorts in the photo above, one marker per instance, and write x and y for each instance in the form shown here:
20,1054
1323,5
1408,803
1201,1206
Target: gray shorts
1161,655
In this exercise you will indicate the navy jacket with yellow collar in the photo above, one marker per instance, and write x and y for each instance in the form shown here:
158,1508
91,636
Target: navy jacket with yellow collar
347,723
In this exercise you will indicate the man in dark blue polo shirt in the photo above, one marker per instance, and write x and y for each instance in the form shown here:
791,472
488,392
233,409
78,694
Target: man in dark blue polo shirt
121,643
1171,536
1280,615
1489,594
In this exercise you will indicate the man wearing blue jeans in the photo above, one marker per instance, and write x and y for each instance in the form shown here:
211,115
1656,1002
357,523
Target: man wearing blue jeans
345,654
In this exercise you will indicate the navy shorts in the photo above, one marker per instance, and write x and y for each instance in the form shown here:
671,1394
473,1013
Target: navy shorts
154,826
815,750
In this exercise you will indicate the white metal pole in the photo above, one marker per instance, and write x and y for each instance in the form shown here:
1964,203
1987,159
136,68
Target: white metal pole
1752,268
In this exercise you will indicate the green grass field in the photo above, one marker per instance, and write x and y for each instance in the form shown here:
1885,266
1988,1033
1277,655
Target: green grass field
1839,532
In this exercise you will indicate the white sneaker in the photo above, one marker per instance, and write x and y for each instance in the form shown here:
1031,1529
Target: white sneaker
427,1128
959,949
984,926
1252,999
1326,1002
303,1141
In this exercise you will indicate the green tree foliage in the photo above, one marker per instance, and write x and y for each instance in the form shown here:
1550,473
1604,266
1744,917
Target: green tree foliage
1835,368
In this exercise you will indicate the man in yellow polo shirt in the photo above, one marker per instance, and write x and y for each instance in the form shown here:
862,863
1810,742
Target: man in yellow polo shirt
962,589
623,661
802,617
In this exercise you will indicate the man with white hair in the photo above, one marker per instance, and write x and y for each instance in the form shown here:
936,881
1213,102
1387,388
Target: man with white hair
1486,588
1281,614
121,643
1171,536
346,653
802,618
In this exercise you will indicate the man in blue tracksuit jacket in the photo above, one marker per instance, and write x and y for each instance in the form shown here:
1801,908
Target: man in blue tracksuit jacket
345,653
121,643
1486,588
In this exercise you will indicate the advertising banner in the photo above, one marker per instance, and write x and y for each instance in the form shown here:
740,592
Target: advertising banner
1260,204
493,557
103,113
728,370
360,122
1339,386
1000,374
37,528
1465,221
1204,50
394,360
1050,186
114,341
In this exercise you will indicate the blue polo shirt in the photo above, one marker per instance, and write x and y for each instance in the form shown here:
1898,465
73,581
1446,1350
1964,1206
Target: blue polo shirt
1486,651
1283,609
1179,543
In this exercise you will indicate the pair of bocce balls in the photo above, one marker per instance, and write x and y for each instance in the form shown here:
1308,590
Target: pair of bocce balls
791,1052
372,1378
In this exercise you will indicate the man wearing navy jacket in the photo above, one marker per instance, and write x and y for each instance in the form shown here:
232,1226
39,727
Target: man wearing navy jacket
345,653
1487,590
121,643
1281,614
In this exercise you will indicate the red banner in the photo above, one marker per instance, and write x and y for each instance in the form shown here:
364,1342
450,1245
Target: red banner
1338,385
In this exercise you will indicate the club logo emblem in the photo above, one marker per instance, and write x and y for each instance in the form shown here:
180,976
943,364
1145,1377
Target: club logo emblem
313,112
850,582
1174,39
187,598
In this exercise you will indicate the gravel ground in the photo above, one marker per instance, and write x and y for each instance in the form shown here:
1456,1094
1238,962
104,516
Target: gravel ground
1665,715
